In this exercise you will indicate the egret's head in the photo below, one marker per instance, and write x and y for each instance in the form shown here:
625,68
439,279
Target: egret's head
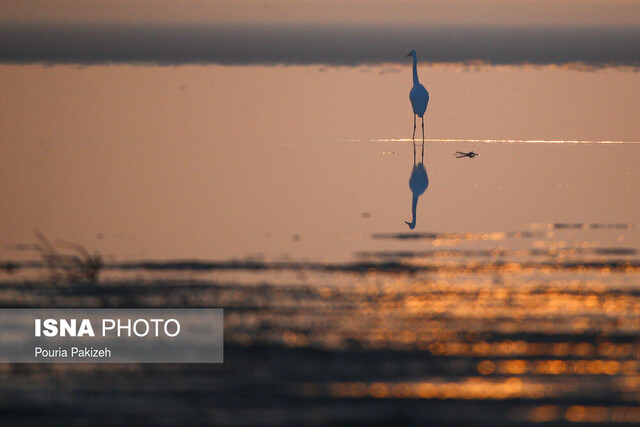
411,225
412,53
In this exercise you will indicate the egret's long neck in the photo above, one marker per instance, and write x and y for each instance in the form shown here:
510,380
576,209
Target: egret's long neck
414,205
414,208
415,70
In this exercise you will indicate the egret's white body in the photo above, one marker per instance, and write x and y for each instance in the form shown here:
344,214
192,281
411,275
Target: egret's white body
418,96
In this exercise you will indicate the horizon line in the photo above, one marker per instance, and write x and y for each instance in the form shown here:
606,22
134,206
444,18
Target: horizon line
290,44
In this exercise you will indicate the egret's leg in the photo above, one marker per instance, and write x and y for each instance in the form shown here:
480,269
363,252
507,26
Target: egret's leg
414,153
414,127
422,151
422,129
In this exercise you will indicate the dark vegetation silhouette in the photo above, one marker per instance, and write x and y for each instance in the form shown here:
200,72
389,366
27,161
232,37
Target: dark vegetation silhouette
79,265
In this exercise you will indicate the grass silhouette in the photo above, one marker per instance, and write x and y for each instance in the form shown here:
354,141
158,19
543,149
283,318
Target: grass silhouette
77,266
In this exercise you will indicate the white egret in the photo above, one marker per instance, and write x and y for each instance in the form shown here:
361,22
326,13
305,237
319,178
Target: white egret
419,96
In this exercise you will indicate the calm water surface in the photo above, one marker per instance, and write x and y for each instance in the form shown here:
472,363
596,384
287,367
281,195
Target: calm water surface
223,163
282,194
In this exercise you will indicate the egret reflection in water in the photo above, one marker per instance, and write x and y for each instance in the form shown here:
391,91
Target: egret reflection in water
418,182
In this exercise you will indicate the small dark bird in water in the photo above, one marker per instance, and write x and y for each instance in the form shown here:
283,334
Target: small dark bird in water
470,154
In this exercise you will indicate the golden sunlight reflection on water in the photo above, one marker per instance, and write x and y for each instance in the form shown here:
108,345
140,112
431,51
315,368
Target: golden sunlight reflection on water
503,141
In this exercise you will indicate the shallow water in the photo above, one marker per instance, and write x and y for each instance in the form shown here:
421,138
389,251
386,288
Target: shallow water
282,194
218,163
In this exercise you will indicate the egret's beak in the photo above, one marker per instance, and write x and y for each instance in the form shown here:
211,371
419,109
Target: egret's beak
408,54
